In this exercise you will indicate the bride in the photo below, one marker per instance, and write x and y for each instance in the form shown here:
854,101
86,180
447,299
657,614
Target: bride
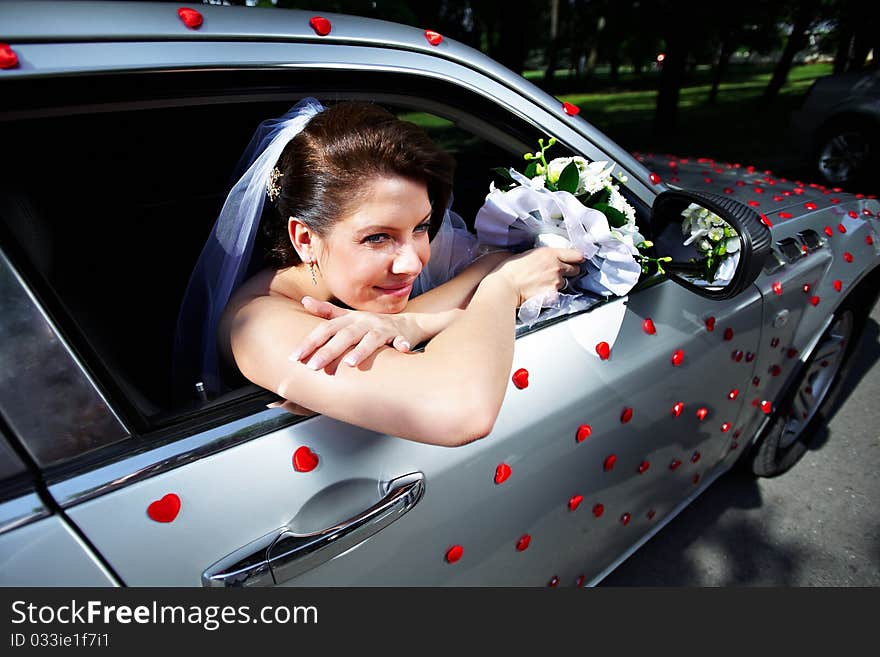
365,262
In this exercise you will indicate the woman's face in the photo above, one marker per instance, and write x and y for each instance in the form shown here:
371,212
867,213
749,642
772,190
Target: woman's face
372,256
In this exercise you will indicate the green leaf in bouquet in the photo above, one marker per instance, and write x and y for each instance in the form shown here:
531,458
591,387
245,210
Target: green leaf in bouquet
506,181
531,170
569,178
616,218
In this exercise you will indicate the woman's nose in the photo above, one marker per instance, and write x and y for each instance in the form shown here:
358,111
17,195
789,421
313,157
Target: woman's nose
407,260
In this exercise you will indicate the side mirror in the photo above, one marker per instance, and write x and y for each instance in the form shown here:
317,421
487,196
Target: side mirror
717,245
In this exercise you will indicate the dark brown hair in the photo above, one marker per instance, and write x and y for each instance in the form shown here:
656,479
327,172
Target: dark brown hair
326,169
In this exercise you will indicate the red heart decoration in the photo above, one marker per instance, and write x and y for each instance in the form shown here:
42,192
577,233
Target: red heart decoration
807,288
728,190
754,204
583,432
710,323
695,457
502,472
554,582
624,519
575,502
190,17
785,215
838,285
677,408
304,459
847,256
650,514
598,510
728,334
454,553
702,413
580,581
434,38
675,463
725,427
164,510
869,240
733,394
851,213
777,287
775,370
756,381
749,356
610,460
655,179
521,378
835,200
766,221
626,415
733,445
828,231
648,326
643,467
8,58
814,300
696,479
767,407
774,342
571,110
523,542
809,205
792,352
320,25
677,357
603,350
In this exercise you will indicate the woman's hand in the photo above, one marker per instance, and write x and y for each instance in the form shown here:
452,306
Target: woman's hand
365,331
539,271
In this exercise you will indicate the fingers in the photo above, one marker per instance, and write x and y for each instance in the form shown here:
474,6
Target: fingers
336,346
569,255
318,336
368,344
323,309
400,343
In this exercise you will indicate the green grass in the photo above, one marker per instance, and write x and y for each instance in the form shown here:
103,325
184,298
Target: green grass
739,127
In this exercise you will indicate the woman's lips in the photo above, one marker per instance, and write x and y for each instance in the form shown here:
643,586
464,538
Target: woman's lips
396,290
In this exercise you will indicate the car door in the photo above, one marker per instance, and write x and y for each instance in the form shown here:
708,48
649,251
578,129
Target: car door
585,460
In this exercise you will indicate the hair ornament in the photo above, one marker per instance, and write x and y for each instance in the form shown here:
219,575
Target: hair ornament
273,188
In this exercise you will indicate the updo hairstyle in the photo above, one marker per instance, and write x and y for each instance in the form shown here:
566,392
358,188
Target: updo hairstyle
327,167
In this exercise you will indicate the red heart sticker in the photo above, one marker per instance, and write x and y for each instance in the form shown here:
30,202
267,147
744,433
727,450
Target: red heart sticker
725,427
728,334
454,553
838,285
648,326
164,510
571,110
766,221
304,459
650,515
580,581
554,582
710,323
695,457
847,256
502,472
603,350
610,460
320,25
702,413
828,231
523,542
774,343
625,518
814,300
777,287
583,432
190,17
733,394
677,408
434,38
655,179
598,510
8,58
809,205
869,240
767,407
806,288
575,502
696,479
626,415
521,378
643,467
677,357
842,228
674,464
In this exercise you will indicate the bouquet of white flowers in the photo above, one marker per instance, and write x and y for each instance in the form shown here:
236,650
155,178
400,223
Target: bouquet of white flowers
567,202
715,239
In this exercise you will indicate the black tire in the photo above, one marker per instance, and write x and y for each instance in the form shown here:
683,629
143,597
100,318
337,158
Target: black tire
847,153
810,399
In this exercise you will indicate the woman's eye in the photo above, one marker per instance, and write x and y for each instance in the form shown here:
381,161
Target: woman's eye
378,238
423,228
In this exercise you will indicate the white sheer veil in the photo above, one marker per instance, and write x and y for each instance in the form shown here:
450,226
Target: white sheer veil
225,260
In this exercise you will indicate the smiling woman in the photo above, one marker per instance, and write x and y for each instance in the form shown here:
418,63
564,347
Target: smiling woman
361,200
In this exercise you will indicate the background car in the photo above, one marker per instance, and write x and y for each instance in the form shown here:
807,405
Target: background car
837,129
120,131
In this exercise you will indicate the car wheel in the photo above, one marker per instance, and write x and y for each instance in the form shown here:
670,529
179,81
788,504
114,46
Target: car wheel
807,404
847,152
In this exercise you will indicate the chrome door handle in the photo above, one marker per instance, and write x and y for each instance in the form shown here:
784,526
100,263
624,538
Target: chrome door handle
284,554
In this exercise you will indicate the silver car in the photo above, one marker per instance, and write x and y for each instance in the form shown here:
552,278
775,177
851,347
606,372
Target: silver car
121,125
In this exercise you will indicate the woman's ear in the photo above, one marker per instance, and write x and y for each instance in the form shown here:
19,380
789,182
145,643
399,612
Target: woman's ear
301,237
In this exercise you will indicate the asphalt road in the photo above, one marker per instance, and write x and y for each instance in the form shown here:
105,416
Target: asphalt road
816,525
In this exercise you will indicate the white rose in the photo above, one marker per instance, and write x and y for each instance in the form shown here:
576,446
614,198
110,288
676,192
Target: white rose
716,233
705,246
732,245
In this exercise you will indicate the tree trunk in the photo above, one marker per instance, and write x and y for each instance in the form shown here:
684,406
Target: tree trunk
671,79
796,41
727,47
553,48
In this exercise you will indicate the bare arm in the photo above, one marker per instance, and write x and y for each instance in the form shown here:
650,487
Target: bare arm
437,396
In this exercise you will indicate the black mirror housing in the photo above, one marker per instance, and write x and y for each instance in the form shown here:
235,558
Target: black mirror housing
754,235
